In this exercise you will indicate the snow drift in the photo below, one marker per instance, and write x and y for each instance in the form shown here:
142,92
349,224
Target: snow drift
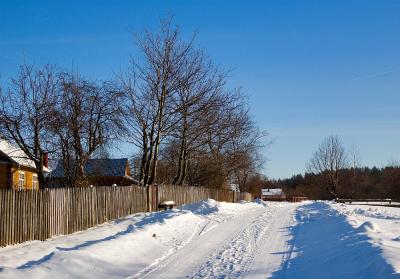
212,239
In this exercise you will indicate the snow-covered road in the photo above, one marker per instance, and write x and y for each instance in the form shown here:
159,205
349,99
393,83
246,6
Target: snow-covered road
233,249
222,240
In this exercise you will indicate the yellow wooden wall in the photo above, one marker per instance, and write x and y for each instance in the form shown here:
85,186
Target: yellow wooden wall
28,177
15,174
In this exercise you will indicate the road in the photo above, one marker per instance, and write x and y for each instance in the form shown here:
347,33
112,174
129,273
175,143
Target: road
222,240
245,246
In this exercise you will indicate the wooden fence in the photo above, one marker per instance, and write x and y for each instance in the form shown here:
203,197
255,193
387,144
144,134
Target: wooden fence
389,201
39,215
371,202
186,195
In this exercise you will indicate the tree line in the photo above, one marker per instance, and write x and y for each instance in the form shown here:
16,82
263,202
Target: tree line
333,172
173,103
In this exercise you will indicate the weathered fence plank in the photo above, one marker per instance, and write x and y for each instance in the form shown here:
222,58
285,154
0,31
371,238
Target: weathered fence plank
41,214
186,195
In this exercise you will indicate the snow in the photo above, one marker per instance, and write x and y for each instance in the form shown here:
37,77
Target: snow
211,239
381,225
271,192
326,244
17,155
383,202
167,203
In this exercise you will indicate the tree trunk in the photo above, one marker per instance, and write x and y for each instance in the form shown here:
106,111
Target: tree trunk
80,180
39,167
184,169
178,176
153,173
144,157
183,149
149,159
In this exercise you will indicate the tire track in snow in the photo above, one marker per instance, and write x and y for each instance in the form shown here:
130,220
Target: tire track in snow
165,259
273,247
211,234
287,257
235,258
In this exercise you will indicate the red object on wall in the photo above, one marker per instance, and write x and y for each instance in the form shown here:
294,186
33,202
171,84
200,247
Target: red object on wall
46,160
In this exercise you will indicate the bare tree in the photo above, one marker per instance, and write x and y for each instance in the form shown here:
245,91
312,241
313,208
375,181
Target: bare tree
101,153
150,87
246,157
238,140
177,97
199,97
27,110
229,143
355,162
330,159
139,112
87,117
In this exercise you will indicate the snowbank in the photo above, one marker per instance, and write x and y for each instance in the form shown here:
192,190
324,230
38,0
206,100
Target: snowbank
325,244
203,207
380,224
212,239
115,249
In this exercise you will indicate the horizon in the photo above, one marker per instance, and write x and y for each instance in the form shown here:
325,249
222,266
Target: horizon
309,70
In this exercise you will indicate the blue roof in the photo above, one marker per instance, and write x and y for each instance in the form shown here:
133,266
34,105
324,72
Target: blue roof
97,167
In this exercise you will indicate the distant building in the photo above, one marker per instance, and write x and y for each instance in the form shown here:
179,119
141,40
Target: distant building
17,171
276,194
99,172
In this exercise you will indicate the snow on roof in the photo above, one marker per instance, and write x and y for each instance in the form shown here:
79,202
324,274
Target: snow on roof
271,192
17,155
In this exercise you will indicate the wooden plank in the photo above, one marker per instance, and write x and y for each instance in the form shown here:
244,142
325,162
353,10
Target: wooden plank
41,214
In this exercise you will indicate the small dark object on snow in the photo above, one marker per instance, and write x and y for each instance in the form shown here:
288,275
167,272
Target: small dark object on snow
154,235
166,205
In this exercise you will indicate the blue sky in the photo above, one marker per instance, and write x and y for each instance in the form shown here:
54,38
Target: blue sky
310,68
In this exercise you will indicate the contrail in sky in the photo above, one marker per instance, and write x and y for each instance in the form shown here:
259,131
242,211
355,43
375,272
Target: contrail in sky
376,74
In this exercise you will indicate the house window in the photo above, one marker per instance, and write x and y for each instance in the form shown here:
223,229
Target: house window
35,181
21,181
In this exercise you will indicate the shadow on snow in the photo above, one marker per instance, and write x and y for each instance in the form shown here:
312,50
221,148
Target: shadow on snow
325,245
151,218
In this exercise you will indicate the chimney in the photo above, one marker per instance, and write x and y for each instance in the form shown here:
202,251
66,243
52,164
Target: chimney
46,160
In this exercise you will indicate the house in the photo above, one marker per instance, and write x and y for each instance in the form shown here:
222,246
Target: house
99,172
17,171
276,194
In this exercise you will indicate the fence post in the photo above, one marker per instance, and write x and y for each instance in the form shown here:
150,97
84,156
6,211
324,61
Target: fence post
148,197
28,215
155,195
